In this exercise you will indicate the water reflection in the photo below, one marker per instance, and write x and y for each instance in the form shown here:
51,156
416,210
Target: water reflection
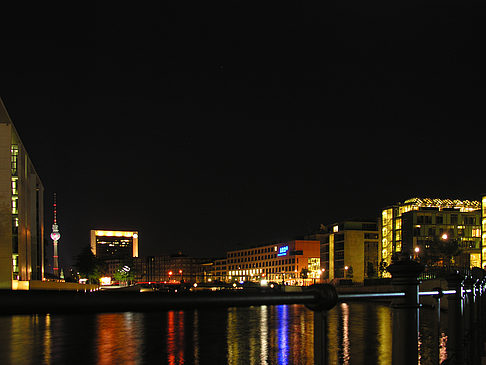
175,337
264,335
118,339
359,333
282,328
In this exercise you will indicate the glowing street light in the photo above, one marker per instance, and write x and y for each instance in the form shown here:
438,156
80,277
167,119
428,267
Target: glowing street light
417,249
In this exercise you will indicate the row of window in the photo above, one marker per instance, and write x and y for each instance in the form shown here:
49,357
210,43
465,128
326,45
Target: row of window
272,270
433,231
252,258
264,264
439,219
252,252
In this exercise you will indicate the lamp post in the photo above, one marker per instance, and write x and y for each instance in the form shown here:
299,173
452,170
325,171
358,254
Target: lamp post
180,272
170,275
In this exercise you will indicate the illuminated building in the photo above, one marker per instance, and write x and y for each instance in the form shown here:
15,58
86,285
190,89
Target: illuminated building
483,232
349,250
169,268
294,262
21,210
411,226
219,270
114,245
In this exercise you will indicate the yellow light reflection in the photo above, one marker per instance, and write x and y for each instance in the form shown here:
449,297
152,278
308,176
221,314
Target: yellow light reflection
384,338
345,345
232,334
47,340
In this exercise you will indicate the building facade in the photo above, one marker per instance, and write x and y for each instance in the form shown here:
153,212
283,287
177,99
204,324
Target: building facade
114,245
169,269
412,226
21,210
293,263
349,250
483,232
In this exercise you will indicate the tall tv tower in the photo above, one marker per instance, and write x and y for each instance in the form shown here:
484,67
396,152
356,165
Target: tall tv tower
55,235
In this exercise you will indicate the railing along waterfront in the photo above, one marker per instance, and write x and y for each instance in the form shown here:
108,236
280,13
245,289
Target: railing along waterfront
465,295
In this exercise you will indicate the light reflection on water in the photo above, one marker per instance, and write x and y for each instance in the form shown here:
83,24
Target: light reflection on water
359,333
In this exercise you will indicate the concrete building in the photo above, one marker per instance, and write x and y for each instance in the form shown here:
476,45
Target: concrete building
412,226
21,210
294,263
349,250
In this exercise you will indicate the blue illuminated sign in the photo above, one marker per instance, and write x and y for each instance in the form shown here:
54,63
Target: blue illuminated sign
283,251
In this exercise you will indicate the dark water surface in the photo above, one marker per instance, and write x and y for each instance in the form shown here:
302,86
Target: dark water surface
359,333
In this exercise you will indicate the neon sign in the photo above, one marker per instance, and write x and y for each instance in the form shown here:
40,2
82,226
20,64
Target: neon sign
283,251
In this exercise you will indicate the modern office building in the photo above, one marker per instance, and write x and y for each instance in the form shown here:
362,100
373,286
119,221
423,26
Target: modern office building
21,210
219,270
169,268
349,250
114,245
413,225
294,263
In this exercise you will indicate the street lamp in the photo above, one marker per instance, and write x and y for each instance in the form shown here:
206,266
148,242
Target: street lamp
180,272
170,275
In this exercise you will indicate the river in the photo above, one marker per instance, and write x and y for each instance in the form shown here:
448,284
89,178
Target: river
359,333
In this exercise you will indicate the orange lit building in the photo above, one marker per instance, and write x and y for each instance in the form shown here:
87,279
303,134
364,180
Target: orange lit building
294,263
114,245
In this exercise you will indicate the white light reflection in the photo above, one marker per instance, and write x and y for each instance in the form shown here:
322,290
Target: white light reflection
264,334
346,352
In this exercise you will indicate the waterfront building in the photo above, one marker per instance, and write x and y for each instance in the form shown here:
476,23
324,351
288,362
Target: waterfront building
114,245
21,210
294,263
220,270
169,268
413,225
349,250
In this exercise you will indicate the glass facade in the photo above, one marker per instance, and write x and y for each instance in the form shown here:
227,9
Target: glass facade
483,234
15,210
411,226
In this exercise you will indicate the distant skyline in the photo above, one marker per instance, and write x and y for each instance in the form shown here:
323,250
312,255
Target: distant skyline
213,127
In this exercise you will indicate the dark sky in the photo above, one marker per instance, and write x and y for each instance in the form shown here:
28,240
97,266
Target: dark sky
213,126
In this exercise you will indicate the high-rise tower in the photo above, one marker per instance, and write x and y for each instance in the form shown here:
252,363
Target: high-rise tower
55,235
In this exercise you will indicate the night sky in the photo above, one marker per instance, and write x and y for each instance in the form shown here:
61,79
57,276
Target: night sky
208,127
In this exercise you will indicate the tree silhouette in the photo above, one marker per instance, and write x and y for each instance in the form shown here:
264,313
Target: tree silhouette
88,265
